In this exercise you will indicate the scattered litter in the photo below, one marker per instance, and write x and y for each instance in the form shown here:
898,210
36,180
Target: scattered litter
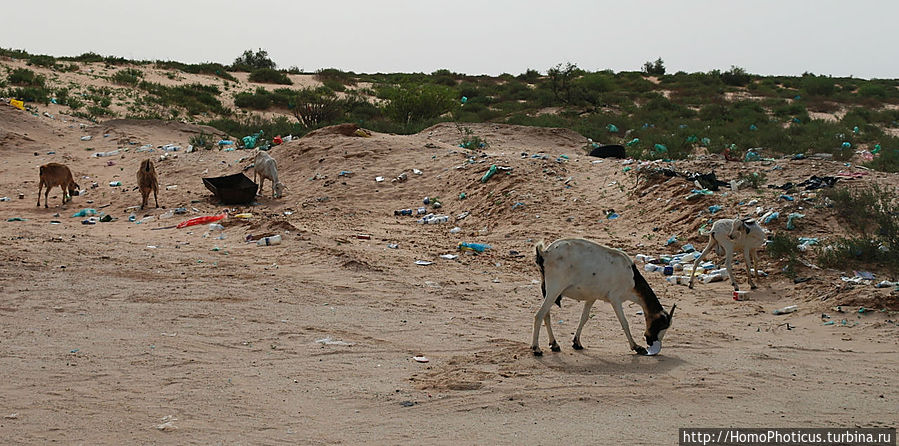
379,179
791,217
786,310
168,423
490,172
269,241
85,212
393,245
423,262
329,341
473,247
86,138
448,256
201,220
420,358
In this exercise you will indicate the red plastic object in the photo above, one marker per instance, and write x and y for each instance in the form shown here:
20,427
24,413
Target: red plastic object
201,220
277,140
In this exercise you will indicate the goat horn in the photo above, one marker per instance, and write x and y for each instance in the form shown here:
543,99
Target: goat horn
671,313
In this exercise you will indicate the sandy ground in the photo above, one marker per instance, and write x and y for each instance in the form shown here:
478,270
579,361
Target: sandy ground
141,333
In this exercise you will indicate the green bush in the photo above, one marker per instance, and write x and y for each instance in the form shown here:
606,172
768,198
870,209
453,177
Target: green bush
250,61
818,85
420,103
30,94
873,213
736,76
269,76
42,61
530,76
128,76
656,68
24,77
201,141
259,100
784,246
196,98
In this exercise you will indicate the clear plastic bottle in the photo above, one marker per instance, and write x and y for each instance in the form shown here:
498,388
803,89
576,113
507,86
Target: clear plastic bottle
269,241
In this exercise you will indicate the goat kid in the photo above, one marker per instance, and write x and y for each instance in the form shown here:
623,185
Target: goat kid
264,166
55,174
731,235
147,182
586,271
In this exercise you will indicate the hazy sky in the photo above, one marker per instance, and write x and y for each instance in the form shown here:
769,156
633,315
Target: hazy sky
838,38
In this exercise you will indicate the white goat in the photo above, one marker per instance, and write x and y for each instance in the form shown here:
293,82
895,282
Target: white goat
264,166
730,235
587,271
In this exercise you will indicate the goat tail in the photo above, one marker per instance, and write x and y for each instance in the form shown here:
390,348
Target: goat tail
539,247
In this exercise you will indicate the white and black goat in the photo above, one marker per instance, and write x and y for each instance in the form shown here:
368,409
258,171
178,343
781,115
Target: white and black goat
586,271
731,235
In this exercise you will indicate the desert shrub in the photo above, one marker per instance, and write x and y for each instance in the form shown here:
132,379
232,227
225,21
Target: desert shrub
754,179
530,76
30,94
250,61
873,90
469,140
96,111
874,214
444,77
784,246
818,85
88,57
294,70
42,61
315,107
201,141
281,125
736,76
261,99
419,103
269,76
128,76
887,160
25,78
196,98
656,68
561,81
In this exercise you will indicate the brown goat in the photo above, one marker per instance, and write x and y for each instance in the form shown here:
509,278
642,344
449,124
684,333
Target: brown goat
55,174
147,181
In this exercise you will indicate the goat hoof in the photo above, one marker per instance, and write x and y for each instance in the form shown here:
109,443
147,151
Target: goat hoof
555,347
537,351
753,287
577,346
640,350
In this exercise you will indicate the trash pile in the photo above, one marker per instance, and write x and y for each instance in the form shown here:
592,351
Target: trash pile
679,267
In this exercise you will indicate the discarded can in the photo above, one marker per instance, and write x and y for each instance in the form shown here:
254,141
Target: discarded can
269,241
363,236
668,270
740,295
421,211
402,212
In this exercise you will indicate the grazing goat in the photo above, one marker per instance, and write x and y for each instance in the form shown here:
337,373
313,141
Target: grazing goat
730,235
264,166
55,174
587,271
147,182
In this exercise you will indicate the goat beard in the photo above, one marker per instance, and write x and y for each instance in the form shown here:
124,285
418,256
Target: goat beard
654,349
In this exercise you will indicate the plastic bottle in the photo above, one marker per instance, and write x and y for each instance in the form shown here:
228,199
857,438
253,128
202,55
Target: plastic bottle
402,212
168,214
269,241
476,247
786,310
